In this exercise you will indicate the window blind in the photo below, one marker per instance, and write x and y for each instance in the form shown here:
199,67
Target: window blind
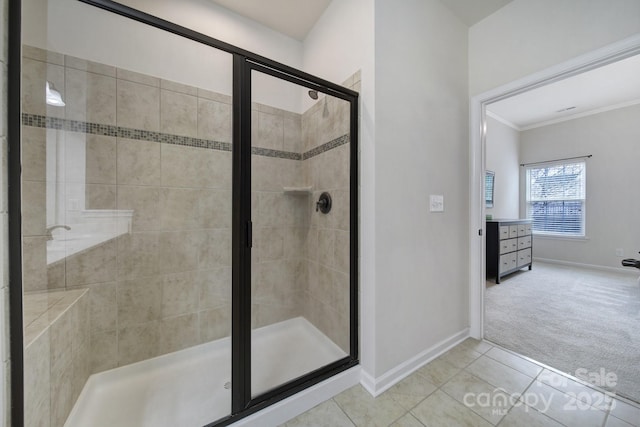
556,198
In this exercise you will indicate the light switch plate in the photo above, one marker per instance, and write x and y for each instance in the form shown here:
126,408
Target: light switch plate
436,203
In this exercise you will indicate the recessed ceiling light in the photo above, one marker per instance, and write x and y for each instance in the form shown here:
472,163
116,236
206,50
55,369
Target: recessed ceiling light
562,110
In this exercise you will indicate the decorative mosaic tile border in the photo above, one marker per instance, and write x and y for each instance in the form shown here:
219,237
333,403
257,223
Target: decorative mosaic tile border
120,132
344,139
39,121
276,153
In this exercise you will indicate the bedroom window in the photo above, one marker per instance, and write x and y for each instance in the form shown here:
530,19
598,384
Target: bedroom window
556,198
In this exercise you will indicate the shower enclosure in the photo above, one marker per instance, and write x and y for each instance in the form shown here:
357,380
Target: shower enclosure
187,225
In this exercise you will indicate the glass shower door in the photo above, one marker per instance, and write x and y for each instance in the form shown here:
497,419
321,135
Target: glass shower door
300,287
126,222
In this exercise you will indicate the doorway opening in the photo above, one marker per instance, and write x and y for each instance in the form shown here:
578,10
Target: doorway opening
599,293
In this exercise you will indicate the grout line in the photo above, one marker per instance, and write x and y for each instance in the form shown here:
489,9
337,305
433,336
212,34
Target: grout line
343,411
515,369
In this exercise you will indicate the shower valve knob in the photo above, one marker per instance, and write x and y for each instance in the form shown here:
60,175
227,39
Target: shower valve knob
324,203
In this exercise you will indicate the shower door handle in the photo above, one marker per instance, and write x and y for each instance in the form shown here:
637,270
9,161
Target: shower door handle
249,234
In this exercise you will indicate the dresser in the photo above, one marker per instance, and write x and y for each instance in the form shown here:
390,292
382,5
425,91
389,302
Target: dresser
509,245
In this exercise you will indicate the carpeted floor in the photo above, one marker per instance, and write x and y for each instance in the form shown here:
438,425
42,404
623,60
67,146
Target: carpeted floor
570,318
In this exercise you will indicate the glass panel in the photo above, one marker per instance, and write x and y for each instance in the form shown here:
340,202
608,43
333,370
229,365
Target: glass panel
127,171
300,257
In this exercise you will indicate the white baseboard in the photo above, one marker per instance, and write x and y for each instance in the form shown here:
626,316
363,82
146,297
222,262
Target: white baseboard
291,407
630,271
368,382
376,386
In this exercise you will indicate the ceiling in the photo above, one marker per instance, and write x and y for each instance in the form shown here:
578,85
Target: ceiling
295,18
473,11
603,88
611,86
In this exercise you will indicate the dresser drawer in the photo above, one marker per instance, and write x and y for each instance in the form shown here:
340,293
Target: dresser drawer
524,242
522,230
508,245
508,262
524,257
504,232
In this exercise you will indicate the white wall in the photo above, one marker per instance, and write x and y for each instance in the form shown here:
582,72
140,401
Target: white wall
613,174
78,29
421,143
527,36
413,121
4,262
341,43
213,20
503,157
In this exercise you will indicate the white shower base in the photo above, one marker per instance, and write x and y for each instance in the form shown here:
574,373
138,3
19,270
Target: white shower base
186,388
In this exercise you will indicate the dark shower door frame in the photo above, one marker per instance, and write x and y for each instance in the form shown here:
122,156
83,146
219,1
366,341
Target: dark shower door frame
242,78
244,62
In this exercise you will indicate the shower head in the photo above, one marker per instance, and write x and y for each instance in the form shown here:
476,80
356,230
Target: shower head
313,94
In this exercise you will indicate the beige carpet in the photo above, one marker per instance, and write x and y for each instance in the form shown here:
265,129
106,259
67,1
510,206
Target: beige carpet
570,318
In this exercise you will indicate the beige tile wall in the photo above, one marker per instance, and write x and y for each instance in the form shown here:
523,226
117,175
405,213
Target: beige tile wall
301,266
326,297
313,276
56,355
280,220
5,400
166,285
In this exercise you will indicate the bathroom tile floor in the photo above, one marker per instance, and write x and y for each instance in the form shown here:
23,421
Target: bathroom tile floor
476,384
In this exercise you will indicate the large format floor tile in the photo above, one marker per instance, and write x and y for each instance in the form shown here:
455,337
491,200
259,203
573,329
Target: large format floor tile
327,414
411,391
439,409
563,407
489,402
438,372
365,410
575,389
476,384
626,412
499,375
407,420
521,365
460,357
525,416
